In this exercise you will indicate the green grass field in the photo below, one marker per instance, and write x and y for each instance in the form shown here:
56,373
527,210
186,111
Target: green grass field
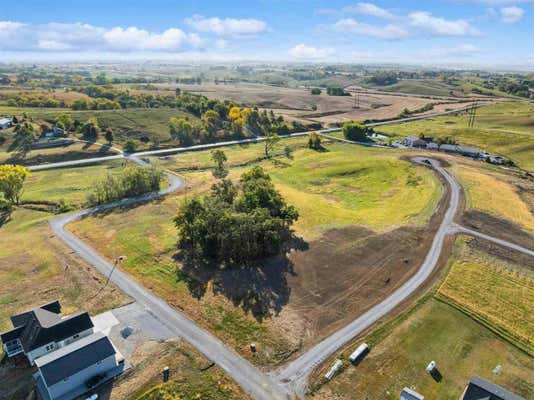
347,185
505,129
499,293
425,87
435,331
69,184
135,123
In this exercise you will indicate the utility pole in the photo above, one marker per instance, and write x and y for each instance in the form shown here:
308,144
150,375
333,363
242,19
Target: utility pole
472,115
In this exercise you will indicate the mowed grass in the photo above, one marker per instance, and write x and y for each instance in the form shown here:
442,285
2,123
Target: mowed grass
313,182
506,129
435,331
489,191
343,186
499,293
71,185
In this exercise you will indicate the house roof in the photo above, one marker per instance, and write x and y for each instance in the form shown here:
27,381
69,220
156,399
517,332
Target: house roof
468,149
5,121
36,334
42,325
75,357
22,319
481,389
409,394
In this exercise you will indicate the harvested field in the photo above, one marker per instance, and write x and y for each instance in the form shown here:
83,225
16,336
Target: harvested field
299,104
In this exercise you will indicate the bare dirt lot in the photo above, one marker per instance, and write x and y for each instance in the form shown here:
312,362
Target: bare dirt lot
300,104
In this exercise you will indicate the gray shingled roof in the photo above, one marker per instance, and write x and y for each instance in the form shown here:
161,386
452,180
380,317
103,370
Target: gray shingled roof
481,389
75,357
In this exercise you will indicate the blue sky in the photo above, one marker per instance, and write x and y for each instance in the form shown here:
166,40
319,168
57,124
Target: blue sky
468,32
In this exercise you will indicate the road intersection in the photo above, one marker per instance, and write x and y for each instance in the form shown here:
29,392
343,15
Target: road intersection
291,380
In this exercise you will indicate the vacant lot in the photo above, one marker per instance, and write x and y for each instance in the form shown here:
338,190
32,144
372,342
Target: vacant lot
350,186
436,331
192,376
504,129
72,185
497,291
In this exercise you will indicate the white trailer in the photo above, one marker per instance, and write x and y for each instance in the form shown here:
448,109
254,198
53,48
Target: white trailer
359,353
332,371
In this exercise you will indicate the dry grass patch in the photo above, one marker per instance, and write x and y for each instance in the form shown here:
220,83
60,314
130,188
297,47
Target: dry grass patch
492,193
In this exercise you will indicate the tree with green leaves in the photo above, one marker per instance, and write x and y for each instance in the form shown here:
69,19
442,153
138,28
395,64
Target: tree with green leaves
236,225
108,135
64,121
271,140
314,141
219,158
91,129
354,131
181,130
12,179
130,146
25,136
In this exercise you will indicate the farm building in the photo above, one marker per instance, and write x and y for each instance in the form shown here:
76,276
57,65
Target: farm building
70,357
5,123
481,389
413,141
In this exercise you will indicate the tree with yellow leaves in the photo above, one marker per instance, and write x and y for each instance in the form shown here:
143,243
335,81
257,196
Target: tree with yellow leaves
12,179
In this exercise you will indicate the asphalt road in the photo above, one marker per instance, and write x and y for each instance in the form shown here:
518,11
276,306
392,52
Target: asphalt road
460,229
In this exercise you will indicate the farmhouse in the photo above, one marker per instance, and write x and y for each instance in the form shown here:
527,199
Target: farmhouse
481,389
70,357
5,123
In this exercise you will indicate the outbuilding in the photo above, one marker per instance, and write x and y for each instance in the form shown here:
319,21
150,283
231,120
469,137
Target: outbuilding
5,123
409,394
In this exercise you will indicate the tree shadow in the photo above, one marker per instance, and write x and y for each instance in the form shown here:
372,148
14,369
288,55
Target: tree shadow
5,217
260,288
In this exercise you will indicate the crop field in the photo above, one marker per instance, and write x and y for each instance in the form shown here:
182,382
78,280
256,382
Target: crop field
300,104
495,193
351,185
505,129
498,292
435,331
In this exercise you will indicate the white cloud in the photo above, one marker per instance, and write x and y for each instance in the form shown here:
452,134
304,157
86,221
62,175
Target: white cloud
511,15
461,51
227,26
437,26
389,32
369,9
78,37
303,52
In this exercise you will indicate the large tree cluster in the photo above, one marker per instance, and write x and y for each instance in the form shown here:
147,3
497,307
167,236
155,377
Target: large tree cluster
236,224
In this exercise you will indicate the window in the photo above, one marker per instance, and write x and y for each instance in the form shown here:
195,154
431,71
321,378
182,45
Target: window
76,336
50,347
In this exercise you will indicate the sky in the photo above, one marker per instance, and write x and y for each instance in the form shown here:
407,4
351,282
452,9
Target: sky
489,33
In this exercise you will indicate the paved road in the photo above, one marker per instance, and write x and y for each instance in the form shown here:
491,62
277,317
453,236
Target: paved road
175,150
161,152
251,379
295,375
460,229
